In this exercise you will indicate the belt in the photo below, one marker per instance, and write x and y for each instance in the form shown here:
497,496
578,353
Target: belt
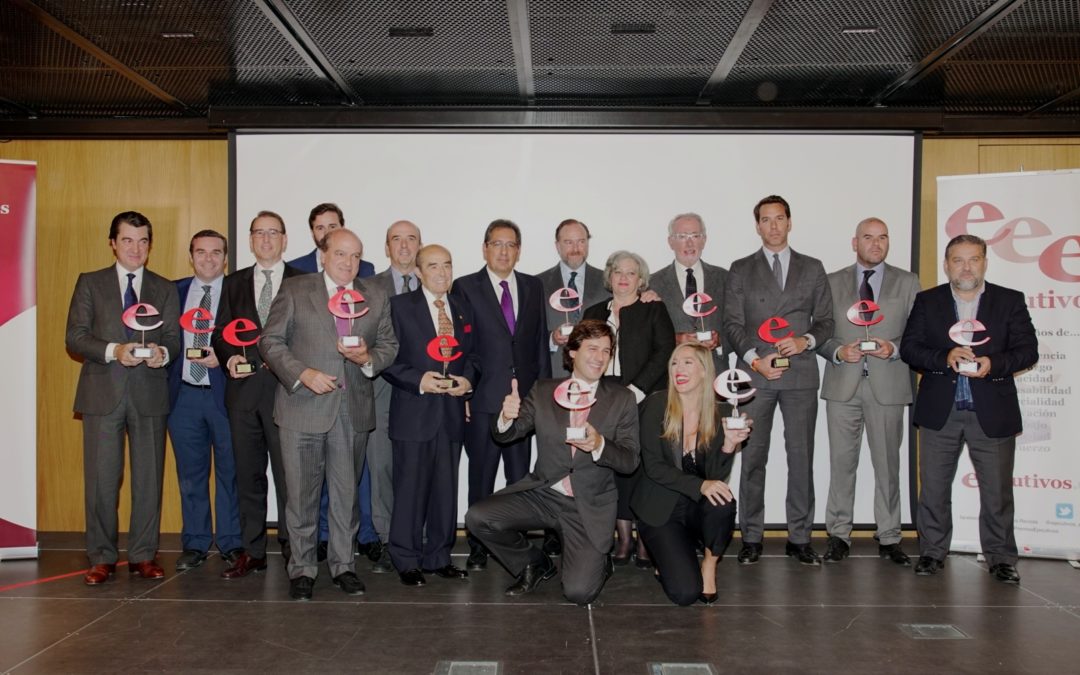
194,386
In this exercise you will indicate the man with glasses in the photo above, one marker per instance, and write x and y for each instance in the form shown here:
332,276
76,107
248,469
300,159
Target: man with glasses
512,337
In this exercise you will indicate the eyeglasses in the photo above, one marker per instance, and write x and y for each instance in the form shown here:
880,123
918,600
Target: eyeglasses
267,233
508,245
688,236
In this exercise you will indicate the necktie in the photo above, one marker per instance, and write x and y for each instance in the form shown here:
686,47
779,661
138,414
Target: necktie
265,296
778,271
197,371
343,327
577,419
446,326
866,292
691,282
575,315
130,298
507,305
405,283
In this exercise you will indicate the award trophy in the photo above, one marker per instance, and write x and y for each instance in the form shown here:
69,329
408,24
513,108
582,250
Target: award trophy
558,301
728,385
231,335
573,394
859,314
765,332
338,306
957,333
441,348
692,306
187,322
131,318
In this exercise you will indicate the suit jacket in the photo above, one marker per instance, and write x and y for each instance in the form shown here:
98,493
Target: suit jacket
614,415
309,265
301,333
523,355
179,362
889,380
238,302
752,296
416,417
646,340
1012,348
594,292
669,286
663,479
94,320
384,281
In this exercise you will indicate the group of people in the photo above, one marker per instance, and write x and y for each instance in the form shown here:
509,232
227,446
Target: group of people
360,390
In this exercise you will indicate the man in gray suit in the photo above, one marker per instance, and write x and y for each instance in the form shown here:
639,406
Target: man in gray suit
689,274
777,282
572,244
572,486
121,390
867,390
402,243
325,403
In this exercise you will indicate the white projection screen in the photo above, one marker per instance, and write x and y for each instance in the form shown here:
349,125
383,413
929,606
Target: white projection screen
624,186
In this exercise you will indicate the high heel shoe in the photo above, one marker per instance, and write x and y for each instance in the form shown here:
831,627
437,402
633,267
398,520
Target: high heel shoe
708,598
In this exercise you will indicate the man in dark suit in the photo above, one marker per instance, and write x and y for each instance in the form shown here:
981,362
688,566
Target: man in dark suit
427,419
572,244
572,487
322,220
198,419
324,407
249,391
967,395
402,243
123,391
776,281
868,391
512,336
689,274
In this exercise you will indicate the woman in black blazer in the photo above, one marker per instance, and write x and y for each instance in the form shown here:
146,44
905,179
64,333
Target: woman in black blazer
683,499
644,337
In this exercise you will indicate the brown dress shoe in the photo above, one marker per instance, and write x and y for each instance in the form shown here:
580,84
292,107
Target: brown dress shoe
147,569
99,574
244,566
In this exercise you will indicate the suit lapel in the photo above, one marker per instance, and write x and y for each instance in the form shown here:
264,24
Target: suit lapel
320,299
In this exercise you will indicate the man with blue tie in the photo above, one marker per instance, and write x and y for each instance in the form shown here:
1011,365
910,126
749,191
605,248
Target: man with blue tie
198,420
512,336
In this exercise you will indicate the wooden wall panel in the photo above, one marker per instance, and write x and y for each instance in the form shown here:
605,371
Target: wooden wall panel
182,187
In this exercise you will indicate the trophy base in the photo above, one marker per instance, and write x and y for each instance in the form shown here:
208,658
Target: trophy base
350,341
736,423
143,352
575,433
193,353
968,367
782,362
566,329
703,336
245,368
868,346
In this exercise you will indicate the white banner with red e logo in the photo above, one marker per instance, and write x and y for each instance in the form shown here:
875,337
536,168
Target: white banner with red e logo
18,336
1031,225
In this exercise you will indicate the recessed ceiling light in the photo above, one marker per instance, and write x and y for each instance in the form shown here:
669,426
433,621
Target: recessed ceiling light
859,30
630,28
178,35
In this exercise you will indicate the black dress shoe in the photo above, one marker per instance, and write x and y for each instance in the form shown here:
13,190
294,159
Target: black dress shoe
477,560
750,553
804,553
642,563
836,550
322,550
300,588
350,583
1005,573
927,566
531,577
189,560
620,560
374,551
894,554
413,577
384,564
232,555
552,544
708,598
449,572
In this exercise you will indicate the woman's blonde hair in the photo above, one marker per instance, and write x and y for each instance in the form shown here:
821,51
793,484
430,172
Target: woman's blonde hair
673,415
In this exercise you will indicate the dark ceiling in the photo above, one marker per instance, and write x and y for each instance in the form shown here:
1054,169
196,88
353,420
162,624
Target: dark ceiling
191,66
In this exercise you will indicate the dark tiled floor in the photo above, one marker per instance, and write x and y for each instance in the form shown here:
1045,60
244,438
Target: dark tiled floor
773,617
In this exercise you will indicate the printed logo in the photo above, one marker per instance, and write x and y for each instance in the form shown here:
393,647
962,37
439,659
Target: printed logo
1063,511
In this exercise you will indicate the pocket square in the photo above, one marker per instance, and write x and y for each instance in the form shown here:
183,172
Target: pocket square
468,328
